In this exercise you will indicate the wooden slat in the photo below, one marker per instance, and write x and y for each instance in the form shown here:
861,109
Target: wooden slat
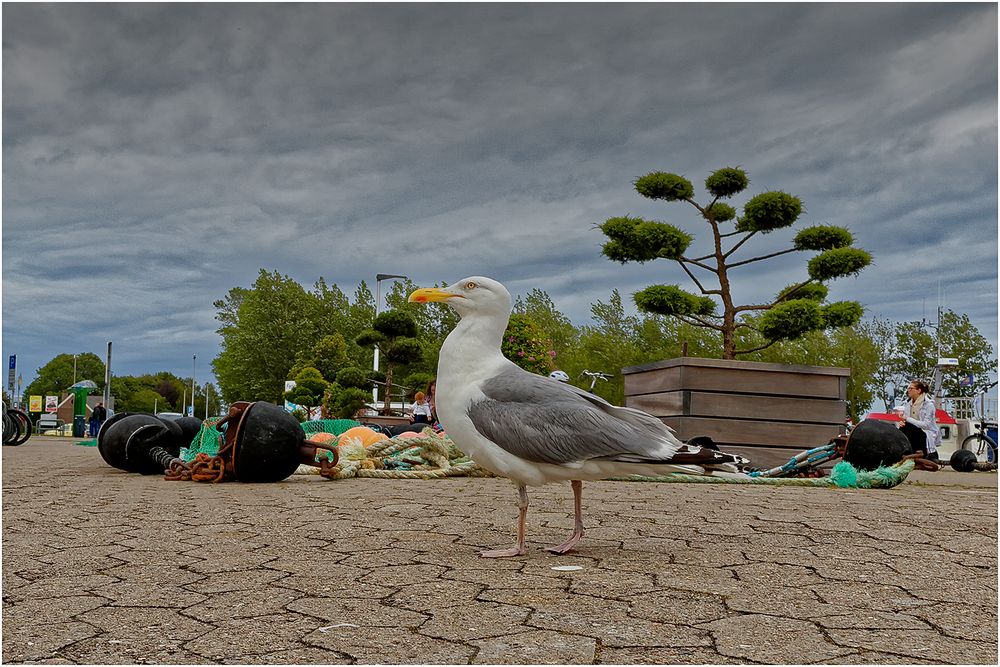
735,364
750,433
744,406
772,383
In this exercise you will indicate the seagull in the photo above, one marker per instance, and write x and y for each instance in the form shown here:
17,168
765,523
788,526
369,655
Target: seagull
533,429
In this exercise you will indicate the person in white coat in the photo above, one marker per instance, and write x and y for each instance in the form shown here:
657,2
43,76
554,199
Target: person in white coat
917,420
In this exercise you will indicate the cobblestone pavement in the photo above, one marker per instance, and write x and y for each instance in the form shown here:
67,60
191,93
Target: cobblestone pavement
101,566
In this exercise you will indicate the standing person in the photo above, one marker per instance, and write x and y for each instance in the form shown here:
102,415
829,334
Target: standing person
97,417
917,420
431,388
420,411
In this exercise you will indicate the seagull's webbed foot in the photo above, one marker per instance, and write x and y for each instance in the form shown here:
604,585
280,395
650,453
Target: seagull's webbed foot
578,521
515,550
520,548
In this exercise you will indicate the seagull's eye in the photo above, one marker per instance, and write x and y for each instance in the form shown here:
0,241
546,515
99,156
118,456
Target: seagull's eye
470,285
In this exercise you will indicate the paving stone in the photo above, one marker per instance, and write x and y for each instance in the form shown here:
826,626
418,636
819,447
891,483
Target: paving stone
391,646
55,587
864,595
241,580
103,567
475,621
610,623
321,585
436,594
252,636
105,650
799,603
305,655
663,655
919,644
878,658
240,604
535,647
53,610
361,613
30,642
668,606
772,640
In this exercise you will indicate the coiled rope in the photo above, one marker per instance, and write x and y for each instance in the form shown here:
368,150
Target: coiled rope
843,475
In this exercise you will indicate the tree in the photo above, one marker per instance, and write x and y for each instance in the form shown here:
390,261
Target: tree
525,344
348,393
143,400
617,339
327,356
274,321
308,390
434,322
885,375
793,312
917,352
56,376
394,333
554,325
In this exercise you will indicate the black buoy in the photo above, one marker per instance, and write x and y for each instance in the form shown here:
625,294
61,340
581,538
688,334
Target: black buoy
138,442
875,443
963,460
263,443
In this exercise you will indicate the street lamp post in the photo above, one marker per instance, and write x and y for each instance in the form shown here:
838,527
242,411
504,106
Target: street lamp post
379,277
194,358
74,369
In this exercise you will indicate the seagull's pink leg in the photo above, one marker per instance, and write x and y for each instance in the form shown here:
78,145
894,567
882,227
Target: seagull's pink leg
578,525
518,549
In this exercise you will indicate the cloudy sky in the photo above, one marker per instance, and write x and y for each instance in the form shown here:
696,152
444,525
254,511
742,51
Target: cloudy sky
155,156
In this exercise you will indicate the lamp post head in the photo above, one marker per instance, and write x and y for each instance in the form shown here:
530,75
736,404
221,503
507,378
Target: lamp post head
385,276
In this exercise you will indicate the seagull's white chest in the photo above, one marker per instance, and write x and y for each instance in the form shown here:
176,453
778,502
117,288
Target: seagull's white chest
464,364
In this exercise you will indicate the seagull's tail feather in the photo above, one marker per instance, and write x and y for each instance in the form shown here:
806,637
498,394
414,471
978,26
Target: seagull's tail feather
693,459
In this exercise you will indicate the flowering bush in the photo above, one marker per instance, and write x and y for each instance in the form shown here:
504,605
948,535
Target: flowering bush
526,345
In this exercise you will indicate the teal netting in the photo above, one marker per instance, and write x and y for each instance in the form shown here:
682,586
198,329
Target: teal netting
334,426
209,438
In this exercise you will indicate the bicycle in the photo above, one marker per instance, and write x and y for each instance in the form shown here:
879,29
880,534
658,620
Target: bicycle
16,426
594,377
980,443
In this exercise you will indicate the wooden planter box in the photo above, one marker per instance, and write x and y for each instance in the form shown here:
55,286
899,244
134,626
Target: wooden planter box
767,412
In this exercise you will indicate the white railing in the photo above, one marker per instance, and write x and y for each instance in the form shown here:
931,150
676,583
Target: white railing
967,407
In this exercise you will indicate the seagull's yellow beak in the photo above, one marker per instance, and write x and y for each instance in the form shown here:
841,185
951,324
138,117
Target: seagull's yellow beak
427,294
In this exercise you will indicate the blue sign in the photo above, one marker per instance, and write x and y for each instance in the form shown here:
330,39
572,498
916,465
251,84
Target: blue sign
13,362
967,380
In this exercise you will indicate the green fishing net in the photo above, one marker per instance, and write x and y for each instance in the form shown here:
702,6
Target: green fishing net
209,438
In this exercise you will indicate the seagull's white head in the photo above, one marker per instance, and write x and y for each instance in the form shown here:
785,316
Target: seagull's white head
475,295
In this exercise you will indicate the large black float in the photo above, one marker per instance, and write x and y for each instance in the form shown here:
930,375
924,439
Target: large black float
875,443
261,443
143,443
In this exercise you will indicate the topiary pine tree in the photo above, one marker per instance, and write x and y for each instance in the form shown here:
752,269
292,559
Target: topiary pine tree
794,311
308,390
394,332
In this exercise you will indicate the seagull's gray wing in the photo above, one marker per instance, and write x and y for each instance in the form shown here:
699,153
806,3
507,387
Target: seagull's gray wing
539,419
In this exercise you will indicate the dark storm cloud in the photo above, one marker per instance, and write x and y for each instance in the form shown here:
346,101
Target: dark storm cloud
157,155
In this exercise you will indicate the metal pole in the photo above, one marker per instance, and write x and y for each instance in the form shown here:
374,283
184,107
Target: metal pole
74,369
156,402
194,358
378,301
207,385
107,379
379,277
